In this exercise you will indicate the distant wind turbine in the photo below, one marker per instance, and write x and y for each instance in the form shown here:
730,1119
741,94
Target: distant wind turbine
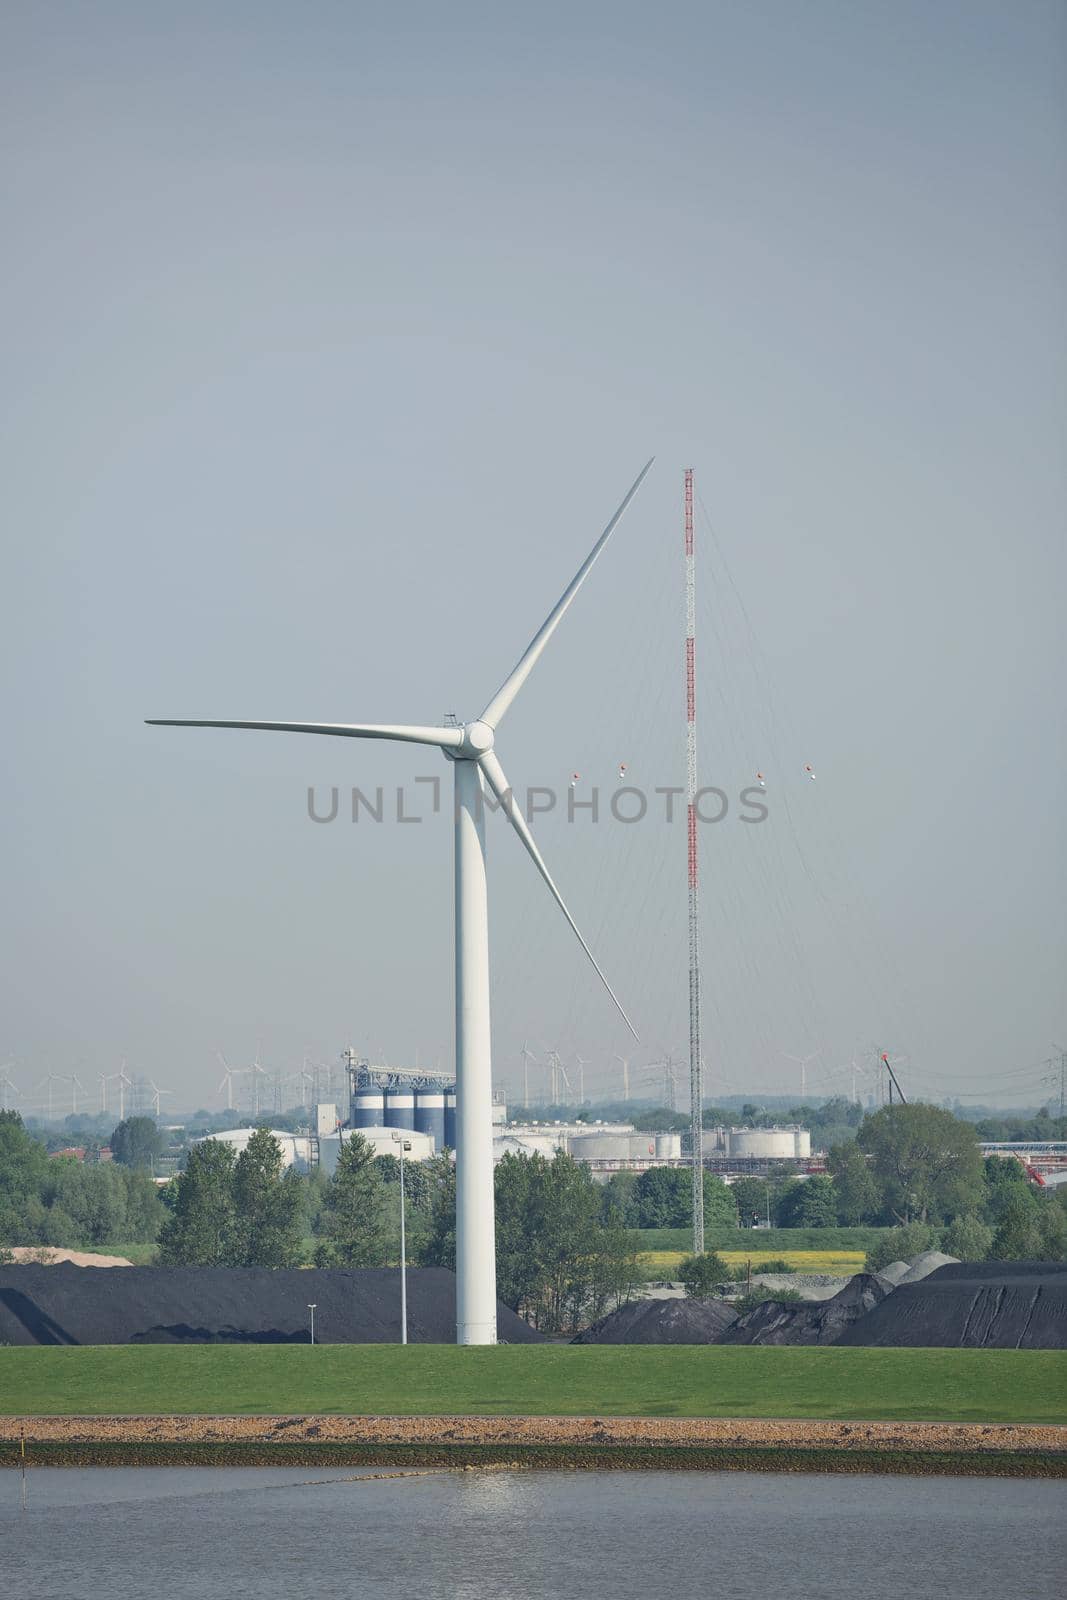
803,1063
476,767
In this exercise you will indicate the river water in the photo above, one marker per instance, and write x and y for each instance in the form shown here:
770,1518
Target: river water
198,1533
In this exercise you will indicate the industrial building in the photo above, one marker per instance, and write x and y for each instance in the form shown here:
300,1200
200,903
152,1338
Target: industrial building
381,1141
298,1149
385,1100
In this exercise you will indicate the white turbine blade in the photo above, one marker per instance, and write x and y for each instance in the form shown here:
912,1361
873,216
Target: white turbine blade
514,682
446,738
493,774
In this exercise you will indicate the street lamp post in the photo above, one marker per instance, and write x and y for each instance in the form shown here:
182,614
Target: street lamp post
311,1308
405,1144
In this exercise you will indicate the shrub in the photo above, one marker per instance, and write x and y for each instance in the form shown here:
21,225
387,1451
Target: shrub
901,1244
758,1294
968,1238
703,1274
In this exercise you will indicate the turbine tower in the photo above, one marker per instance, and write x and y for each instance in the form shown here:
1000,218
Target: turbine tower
476,768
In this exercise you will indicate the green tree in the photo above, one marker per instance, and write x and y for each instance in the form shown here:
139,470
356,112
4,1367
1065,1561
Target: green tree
617,1204
93,1198
1031,1229
352,1221
436,1246
1052,1228
752,1198
662,1198
808,1203
968,1238
557,1262
901,1244
703,1274
268,1206
520,1202
144,1213
855,1190
926,1162
1005,1179
201,1229
720,1203
23,1170
137,1142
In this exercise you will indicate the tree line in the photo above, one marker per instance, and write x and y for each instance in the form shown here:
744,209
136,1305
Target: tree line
65,1203
563,1240
559,1262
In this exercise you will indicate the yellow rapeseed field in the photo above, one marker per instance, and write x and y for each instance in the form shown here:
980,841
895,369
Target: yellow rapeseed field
839,1262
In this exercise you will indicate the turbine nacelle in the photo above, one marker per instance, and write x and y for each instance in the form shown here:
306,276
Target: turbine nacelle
478,740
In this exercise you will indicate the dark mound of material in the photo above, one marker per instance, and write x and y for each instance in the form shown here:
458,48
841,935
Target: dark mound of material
230,1305
661,1322
811,1322
995,1305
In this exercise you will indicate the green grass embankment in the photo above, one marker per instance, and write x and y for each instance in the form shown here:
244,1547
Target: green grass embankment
515,1380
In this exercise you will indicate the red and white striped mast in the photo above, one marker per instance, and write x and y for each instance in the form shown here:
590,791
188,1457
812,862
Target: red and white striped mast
696,1070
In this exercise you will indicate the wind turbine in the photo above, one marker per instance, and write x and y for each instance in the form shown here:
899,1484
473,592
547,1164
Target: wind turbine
476,768
75,1084
582,1064
50,1078
7,1086
624,1062
527,1057
257,1072
124,1083
553,1066
228,1075
802,1063
157,1094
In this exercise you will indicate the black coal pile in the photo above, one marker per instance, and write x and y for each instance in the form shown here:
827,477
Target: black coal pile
818,1322
661,1322
994,1305
71,1305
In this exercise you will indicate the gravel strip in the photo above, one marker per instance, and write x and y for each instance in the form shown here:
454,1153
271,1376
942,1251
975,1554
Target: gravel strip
668,1431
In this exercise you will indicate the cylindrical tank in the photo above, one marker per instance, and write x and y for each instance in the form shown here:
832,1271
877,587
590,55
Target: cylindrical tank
772,1142
368,1108
611,1146
668,1146
450,1119
430,1115
399,1108
803,1142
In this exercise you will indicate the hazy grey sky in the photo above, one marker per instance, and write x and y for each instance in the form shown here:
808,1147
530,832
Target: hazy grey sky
332,336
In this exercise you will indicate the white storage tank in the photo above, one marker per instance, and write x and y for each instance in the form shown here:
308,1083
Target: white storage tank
614,1146
668,1146
803,1142
773,1143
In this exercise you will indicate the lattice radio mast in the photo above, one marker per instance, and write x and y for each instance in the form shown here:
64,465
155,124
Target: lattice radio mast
696,1070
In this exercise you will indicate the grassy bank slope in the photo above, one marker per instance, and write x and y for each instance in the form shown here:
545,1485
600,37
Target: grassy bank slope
436,1380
